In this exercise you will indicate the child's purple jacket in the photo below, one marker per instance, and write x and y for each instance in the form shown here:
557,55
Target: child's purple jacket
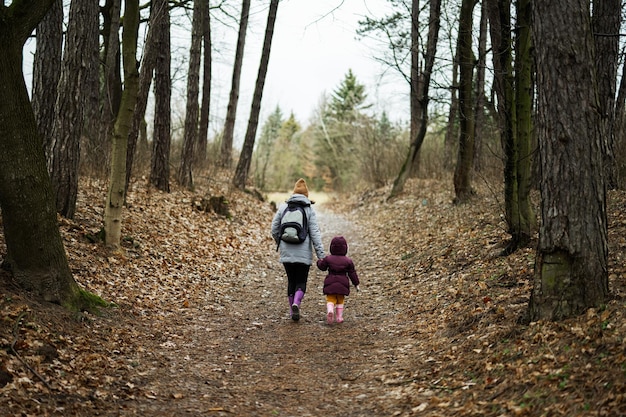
340,268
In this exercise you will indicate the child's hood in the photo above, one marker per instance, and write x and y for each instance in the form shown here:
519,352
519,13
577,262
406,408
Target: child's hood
339,246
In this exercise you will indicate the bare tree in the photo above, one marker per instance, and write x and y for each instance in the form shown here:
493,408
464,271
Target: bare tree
35,257
161,142
606,23
117,180
47,70
90,134
146,73
243,166
205,108
620,127
479,95
231,112
65,153
464,162
514,91
571,270
522,221
453,114
99,147
185,177
420,85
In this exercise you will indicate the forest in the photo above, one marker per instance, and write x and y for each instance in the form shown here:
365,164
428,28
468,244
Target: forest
138,275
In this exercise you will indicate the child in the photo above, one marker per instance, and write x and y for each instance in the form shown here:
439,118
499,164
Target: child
337,283
297,257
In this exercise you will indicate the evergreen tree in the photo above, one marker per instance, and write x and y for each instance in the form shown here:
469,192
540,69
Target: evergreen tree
338,129
348,99
266,146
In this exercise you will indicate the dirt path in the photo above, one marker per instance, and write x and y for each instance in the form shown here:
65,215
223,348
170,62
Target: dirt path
202,326
245,357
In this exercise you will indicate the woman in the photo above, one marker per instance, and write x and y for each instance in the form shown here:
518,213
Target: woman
298,257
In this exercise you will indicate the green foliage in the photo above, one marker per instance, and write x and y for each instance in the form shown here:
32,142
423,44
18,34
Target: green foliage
343,149
348,100
265,147
279,157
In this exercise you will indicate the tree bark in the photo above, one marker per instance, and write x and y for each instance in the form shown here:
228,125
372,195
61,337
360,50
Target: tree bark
97,164
70,106
453,112
514,91
205,108
620,127
571,272
479,95
98,151
231,112
146,72
243,166
47,70
35,253
190,136
525,224
606,24
464,162
161,141
123,122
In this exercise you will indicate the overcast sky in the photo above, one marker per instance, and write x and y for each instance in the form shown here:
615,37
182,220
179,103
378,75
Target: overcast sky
314,46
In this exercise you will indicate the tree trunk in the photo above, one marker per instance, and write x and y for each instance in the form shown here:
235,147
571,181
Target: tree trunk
185,176
117,180
480,89
99,148
620,128
205,108
231,112
161,141
158,9
411,164
35,253
524,226
504,85
90,134
606,24
571,271
47,70
420,85
243,166
70,106
464,162
453,113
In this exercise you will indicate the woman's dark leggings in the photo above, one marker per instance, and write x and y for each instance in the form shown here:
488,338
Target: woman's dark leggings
297,276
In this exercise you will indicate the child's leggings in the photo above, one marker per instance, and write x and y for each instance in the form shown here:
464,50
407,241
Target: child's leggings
335,298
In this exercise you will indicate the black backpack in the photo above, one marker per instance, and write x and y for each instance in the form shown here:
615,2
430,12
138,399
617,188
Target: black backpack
294,226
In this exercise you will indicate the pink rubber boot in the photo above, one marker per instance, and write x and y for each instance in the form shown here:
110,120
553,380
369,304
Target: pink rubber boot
330,315
339,309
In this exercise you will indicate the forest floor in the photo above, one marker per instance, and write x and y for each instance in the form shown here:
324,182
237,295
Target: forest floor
200,325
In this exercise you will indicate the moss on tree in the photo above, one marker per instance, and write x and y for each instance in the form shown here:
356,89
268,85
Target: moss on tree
82,300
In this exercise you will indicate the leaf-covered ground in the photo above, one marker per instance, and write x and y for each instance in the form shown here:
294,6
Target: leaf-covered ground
201,326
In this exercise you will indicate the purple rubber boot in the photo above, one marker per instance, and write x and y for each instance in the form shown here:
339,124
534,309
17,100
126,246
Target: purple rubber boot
295,307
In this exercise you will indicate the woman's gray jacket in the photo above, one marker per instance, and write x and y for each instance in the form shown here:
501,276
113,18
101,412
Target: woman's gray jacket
299,252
